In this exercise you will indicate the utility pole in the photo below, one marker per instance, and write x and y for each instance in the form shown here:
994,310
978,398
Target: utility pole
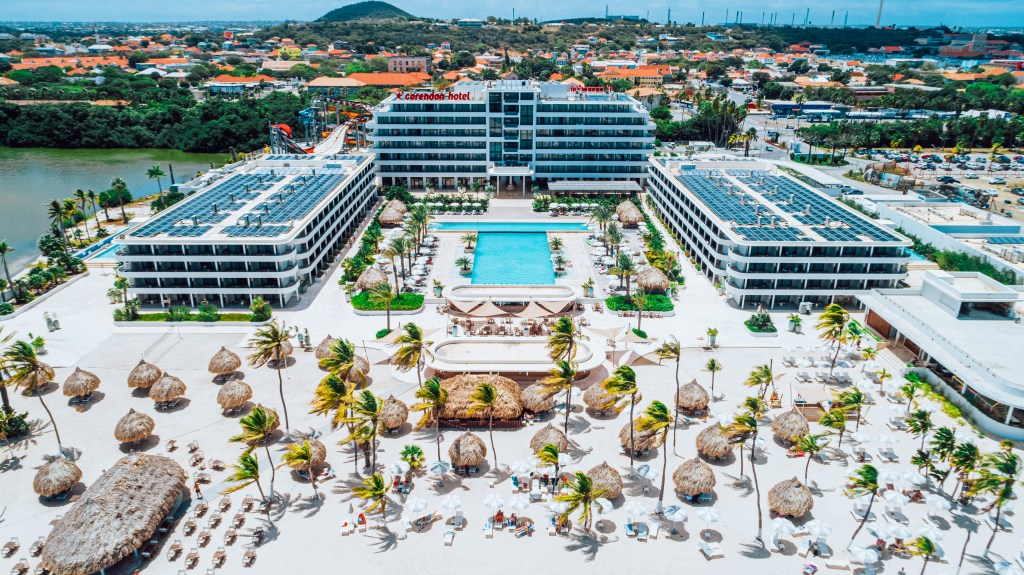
807,16
702,19
792,20
878,19
726,16
833,21
846,18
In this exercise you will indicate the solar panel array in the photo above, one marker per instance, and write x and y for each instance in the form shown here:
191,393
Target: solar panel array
1006,240
729,206
255,231
771,234
296,199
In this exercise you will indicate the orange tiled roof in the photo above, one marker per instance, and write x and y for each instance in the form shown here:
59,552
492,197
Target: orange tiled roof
228,79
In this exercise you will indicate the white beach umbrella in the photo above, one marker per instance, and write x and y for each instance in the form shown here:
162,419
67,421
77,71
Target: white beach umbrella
783,526
818,528
708,515
914,478
887,476
415,505
804,363
494,501
886,439
862,500
900,531
860,437
439,467
647,471
452,502
558,507
399,467
895,498
635,509
864,555
937,503
930,532
519,504
520,467
870,366
897,409
880,531
603,506
757,443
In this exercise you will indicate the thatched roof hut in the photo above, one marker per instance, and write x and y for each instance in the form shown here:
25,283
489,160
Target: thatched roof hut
790,425
790,498
629,214
394,413
224,362
397,205
360,367
324,349
605,477
80,382
467,450
134,427
651,279
167,389
694,477
144,375
318,452
234,394
596,400
649,439
371,277
390,217
712,442
537,399
460,390
115,516
56,476
692,397
549,434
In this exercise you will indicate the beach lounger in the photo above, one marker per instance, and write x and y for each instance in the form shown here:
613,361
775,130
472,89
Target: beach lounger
824,459
838,564
655,530
247,503
238,520
225,504
883,454
11,547
190,527
214,520
803,548
858,514
896,514
459,521
171,445
37,547
192,558
641,532
249,558
489,529
710,550
823,549
897,424
449,538
704,498
891,455
204,538
20,567
219,557
230,537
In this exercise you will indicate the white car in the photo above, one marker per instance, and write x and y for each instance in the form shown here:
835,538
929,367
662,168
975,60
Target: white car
996,181
769,149
971,176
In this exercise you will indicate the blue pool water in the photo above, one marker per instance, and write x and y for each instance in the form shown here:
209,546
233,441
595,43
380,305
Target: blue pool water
915,256
107,255
512,258
510,227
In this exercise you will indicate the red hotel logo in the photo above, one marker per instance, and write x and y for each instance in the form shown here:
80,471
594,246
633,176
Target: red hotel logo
432,96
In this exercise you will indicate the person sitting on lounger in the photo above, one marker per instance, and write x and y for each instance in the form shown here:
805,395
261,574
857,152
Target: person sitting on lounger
499,517
512,520
361,519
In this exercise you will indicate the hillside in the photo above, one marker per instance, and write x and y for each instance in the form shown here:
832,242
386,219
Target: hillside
370,10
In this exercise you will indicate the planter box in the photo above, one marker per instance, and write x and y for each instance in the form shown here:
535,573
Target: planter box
393,312
761,333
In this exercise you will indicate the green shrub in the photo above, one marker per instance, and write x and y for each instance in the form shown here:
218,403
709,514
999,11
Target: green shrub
207,312
760,323
404,301
383,332
6,308
259,309
178,313
640,333
13,425
655,302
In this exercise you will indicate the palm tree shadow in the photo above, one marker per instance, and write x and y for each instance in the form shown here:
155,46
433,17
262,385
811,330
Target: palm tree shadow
578,424
752,551
386,540
741,484
310,506
586,544
282,501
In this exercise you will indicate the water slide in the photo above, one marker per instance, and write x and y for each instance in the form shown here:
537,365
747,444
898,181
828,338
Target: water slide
338,140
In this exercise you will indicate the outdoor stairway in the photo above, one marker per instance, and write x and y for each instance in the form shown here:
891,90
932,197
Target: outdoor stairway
894,360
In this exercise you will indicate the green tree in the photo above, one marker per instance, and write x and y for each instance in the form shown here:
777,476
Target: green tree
657,418
923,547
673,351
835,419
55,211
851,400
834,326
120,189
26,371
965,459
413,351
580,498
6,248
485,399
332,397
560,379
920,423
864,482
433,397
341,361
713,366
621,386
272,345
82,199
811,445
301,456
744,428
382,294
155,172
999,472
562,343
374,489
258,429
549,457
364,415
640,301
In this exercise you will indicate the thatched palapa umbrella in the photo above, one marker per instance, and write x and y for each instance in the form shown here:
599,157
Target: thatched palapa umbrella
144,375
318,455
644,439
693,478
595,399
605,477
80,383
629,214
398,205
234,394
360,367
790,498
712,442
324,349
549,434
390,217
692,397
394,413
536,399
371,278
167,389
467,450
790,426
134,427
115,516
460,391
651,279
56,476
224,363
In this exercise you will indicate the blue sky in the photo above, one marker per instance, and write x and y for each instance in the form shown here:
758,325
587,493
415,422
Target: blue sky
1001,13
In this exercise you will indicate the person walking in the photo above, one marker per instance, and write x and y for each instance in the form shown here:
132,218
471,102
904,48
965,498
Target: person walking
199,493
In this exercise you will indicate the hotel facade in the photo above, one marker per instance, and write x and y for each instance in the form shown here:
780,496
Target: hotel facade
269,227
513,133
769,239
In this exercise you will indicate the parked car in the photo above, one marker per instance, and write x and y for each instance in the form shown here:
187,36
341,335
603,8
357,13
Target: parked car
947,180
769,148
1017,191
996,181
1020,201
971,176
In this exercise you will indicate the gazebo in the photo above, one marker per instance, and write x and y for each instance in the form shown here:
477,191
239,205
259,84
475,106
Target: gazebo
652,280
144,375
692,397
536,399
713,443
224,364
790,426
134,427
389,216
790,498
57,476
629,214
467,450
693,478
639,440
81,383
371,278
394,414
456,412
233,395
549,434
606,478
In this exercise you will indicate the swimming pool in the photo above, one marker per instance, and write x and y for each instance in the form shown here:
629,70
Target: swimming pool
512,258
915,256
510,227
107,255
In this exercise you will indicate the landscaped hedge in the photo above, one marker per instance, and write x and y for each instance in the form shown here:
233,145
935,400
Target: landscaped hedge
655,302
760,323
164,316
404,301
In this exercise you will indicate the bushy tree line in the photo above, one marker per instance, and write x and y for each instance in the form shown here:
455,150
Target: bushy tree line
932,132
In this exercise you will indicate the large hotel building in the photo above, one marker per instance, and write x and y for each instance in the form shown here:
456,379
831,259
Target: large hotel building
770,239
268,227
512,133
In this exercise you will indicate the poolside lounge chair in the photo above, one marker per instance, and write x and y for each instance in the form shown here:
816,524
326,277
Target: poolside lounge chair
219,557
11,547
838,564
896,514
459,521
204,538
225,504
449,538
489,529
823,549
897,424
192,558
20,567
238,520
642,531
704,498
190,527
823,458
230,537
174,551
655,530
710,550
171,445
883,454
37,547
249,558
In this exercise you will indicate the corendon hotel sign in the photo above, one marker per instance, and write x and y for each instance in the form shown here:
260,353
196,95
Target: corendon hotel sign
432,96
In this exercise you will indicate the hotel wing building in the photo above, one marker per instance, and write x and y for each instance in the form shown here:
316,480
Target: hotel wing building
512,133
268,227
770,239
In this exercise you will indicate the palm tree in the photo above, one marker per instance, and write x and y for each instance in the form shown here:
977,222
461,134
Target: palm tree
748,137
391,254
300,456
864,481
258,429
245,473
923,547
342,362
332,397
850,399
909,389
920,423
713,366
613,236
580,498
834,326
965,459
623,388
91,196
432,398
640,301
156,173
119,186
762,377
548,456
658,417
835,419
270,342
375,489
742,429
671,350
562,341
82,200
414,351
6,248
485,399
381,294
400,247
365,412
601,215
55,211
560,378
25,370
942,445
811,445
464,263
469,240
625,269
999,471
556,244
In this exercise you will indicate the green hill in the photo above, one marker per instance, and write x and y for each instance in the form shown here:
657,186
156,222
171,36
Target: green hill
370,10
